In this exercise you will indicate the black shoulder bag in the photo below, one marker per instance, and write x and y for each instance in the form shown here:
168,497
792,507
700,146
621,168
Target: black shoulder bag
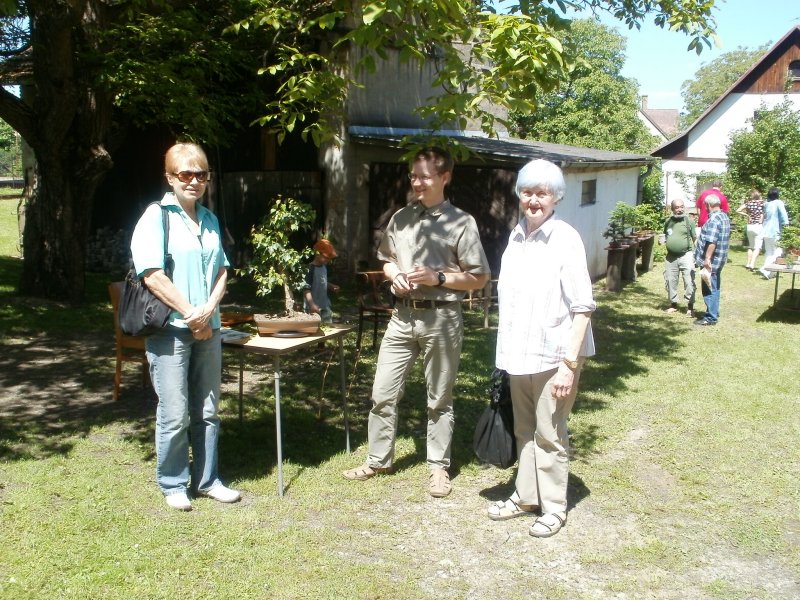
494,442
140,312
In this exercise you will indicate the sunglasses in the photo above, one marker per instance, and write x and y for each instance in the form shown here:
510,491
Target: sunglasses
188,176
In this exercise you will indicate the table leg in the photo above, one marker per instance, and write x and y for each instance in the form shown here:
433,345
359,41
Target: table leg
276,367
241,383
777,278
343,378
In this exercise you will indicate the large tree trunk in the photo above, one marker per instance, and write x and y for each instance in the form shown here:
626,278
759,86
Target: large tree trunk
67,130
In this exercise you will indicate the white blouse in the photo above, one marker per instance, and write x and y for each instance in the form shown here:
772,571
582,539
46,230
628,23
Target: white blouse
543,282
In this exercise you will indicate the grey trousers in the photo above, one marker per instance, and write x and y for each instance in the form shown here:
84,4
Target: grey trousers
540,426
437,335
676,266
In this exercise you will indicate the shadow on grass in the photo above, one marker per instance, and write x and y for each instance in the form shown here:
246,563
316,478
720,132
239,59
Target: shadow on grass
55,389
785,310
56,373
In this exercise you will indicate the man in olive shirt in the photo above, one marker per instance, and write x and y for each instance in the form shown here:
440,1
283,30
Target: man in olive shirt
433,255
679,232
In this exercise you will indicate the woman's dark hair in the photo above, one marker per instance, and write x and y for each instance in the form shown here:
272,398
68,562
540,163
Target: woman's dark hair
773,193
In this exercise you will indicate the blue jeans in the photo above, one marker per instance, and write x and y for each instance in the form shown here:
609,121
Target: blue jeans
711,296
186,375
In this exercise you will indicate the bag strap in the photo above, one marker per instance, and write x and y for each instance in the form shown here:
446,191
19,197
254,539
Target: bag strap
169,264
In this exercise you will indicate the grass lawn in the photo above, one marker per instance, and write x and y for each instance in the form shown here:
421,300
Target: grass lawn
9,232
684,479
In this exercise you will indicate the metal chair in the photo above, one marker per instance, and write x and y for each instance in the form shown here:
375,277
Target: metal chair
375,302
129,348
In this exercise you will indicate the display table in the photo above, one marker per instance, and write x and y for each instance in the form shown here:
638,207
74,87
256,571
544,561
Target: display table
277,347
778,269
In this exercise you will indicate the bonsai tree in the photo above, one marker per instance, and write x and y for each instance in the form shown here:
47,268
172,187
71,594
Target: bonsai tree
647,217
621,217
275,263
790,242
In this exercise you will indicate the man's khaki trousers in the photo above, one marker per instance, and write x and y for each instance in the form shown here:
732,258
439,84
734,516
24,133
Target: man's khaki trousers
437,335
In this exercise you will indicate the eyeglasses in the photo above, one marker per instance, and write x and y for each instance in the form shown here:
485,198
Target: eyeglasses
188,176
423,178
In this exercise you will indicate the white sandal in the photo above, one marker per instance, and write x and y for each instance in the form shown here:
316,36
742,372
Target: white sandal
548,525
502,510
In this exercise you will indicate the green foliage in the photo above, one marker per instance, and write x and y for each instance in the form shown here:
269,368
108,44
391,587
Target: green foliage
713,79
595,106
10,152
647,217
652,188
790,237
275,262
767,155
484,59
172,65
621,218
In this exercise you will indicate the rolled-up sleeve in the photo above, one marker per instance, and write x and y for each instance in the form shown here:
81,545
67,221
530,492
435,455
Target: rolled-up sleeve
147,242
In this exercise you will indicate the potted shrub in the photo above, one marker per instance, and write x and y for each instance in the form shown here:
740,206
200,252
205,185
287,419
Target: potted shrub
620,219
647,218
276,264
790,242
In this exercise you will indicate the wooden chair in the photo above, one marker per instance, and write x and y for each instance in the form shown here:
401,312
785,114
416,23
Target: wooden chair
375,302
129,348
485,298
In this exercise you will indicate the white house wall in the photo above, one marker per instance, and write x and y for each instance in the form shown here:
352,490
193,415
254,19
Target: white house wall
711,137
591,220
708,142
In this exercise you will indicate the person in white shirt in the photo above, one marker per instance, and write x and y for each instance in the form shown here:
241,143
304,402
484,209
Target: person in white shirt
543,337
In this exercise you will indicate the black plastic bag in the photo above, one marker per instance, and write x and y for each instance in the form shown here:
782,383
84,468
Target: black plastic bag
494,442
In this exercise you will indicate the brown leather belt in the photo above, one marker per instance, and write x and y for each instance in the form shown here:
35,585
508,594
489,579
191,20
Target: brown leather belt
425,304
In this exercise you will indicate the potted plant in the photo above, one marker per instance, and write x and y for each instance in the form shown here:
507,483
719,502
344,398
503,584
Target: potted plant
790,242
620,219
647,219
276,264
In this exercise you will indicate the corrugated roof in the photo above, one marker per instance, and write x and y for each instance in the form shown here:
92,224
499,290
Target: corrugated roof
512,150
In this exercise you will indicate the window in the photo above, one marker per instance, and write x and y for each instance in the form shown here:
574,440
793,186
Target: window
588,192
794,70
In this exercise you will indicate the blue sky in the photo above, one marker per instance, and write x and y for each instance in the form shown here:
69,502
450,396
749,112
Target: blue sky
659,61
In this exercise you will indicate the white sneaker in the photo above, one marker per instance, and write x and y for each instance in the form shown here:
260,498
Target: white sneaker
220,493
179,501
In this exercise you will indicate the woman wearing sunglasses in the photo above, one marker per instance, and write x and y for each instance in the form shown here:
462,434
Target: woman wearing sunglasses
185,356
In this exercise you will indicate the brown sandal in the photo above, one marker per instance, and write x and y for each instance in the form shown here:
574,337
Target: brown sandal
365,472
439,485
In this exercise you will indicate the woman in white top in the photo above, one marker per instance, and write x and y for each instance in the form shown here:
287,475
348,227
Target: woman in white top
544,334
775,218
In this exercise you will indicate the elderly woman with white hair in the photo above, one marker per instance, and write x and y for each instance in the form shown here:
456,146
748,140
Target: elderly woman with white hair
543,337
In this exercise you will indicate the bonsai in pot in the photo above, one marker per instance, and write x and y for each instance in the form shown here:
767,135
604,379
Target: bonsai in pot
790,242
620,219
647,219
277,264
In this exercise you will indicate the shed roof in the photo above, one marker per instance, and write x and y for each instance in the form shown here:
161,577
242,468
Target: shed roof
510,151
